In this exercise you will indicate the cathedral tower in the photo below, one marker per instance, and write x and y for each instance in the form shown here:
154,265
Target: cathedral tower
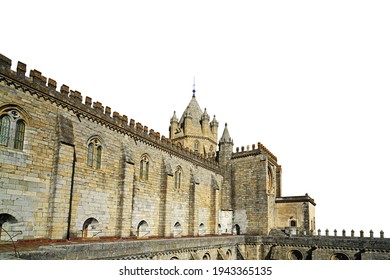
195,130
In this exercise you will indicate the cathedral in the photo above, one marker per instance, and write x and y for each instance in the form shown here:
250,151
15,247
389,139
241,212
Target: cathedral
71,169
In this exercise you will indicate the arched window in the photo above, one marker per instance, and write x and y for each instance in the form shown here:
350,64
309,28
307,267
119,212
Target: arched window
196,147
269,180
144,168
4,129
206,257
178,178
94,156
12,129
19,135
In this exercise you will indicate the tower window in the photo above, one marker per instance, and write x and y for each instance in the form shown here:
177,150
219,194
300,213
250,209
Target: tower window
12,129
94,156
4,129
196,147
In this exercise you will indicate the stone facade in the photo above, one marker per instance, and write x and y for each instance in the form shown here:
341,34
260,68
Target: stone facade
72,169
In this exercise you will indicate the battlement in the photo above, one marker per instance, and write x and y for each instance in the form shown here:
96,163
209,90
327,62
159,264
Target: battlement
253,150
46,88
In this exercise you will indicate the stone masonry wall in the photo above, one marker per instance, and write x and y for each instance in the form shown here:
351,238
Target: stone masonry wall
50,183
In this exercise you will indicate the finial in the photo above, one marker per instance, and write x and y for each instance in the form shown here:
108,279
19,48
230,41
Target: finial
193,88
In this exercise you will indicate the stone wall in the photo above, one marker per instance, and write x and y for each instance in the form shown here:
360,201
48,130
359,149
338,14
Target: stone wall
52,190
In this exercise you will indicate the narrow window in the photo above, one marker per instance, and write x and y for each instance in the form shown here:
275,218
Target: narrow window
98,157
178,178
4,130
144,168
19,134
94,155
90,154
196,147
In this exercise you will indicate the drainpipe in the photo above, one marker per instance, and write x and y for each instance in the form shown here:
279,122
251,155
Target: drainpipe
71,191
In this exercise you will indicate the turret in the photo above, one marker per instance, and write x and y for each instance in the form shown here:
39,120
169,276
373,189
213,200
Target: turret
187,121
214,127
225,146
205,122
174,125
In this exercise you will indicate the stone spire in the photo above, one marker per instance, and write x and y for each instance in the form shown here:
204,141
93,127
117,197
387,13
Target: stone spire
226,136
174,118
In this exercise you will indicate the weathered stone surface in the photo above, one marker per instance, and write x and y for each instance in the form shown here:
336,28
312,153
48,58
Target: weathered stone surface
80,172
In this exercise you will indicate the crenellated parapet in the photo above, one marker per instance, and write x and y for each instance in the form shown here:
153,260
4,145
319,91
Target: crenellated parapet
253,150
46,88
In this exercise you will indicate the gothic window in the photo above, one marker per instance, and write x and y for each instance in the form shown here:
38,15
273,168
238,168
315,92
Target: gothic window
269,180
4,129
12,129
19,135
94,156
144,168
196,147
178,178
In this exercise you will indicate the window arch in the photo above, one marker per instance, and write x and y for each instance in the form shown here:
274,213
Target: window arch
178,175
12,129
144,168
196,146
5,123
94,155
270,180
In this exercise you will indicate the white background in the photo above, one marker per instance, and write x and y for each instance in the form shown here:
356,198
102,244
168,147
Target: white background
308,79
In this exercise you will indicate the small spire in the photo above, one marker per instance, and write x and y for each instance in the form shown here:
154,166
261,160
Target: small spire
174,118
193,88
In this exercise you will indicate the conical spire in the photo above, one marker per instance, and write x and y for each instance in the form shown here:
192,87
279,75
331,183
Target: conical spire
174,118
226,136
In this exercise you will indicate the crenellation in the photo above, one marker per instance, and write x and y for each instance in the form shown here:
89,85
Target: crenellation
64,90
37,78
76,95
107,111
5,63
52,84
88,102
98,106
21,70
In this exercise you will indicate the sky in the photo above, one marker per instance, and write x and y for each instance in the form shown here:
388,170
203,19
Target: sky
307,79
